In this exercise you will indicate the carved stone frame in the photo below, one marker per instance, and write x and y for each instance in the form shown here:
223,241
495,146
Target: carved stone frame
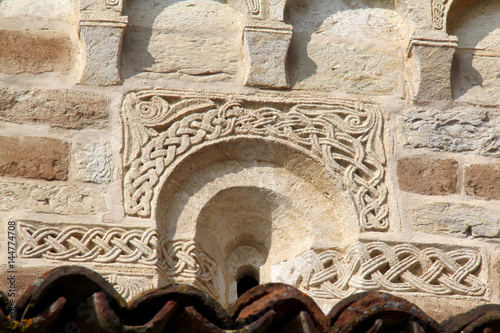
161,126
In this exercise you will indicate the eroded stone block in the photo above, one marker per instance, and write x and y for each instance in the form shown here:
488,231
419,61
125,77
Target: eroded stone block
266,47
34,51
459,220
60,199
101,38
430,67
427,176
483,180
34,157
57,108
356,50
94,163
458,130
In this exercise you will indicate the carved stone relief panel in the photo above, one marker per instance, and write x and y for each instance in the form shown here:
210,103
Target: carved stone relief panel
163,126
395,268
438,13
182,261
325,274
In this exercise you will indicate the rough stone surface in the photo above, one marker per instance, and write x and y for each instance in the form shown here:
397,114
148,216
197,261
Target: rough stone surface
47,9
101,54
427,175
430,70
60,199
197,158
203,38
459,220
57,108
266,48
351,50
34,51
483,180
94,163
457,130
34,157
477,63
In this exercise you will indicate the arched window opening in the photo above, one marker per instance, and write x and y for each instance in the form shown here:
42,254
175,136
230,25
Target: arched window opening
248,278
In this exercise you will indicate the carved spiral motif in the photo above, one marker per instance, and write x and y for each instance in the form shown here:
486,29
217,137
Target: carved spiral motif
154,112
129,286
112,3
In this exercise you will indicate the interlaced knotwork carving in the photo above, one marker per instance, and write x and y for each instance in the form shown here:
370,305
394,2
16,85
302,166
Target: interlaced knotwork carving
438,11
379,266
185,259
346,135
178,259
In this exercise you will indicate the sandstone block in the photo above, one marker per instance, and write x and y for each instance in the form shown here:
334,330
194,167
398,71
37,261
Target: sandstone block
46,9
34,157
59,199
457,130
351,50
459,220
266,46
430,70
94,163
57,108
427,176
483,180
328,63
192,41
101,50
34,51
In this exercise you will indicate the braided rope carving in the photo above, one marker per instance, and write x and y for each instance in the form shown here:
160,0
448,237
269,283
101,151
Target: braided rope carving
438,11
178,259
379,266
346,135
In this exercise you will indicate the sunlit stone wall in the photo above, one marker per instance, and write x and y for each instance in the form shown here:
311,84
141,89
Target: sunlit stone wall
338,146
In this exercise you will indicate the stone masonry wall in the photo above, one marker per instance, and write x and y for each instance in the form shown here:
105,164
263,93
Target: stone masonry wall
338,146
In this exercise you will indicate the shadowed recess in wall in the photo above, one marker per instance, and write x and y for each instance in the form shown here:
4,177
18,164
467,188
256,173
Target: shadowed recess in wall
477,60
161,42
333,45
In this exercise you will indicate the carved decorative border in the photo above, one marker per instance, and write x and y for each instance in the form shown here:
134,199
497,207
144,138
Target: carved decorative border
129,286
161,126
402,268
179,259
438,12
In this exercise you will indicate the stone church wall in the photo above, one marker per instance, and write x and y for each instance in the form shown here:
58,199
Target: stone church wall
335,145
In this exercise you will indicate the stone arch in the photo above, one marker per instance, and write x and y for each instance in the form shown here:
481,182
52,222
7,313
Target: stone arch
443,11
161,127
253,202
